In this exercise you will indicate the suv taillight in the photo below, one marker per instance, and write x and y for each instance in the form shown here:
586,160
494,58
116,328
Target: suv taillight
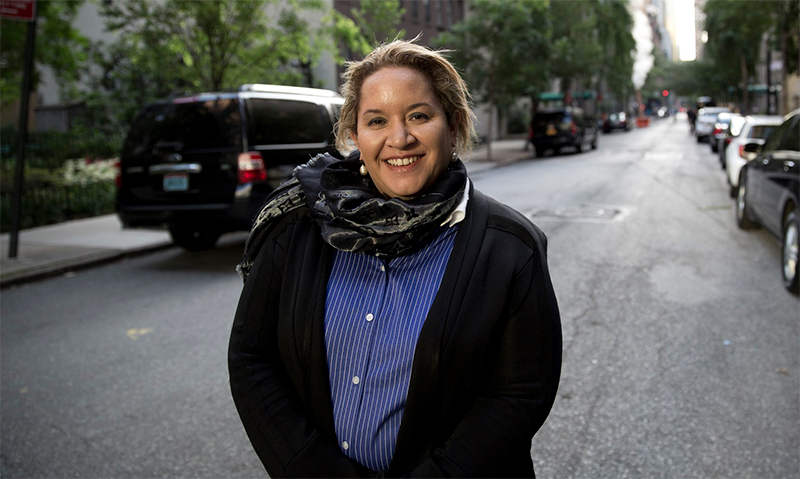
118,174
573,128
251,167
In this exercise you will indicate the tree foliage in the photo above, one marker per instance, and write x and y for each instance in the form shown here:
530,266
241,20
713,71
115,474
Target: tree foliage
58,46
499,62
171,46
371,22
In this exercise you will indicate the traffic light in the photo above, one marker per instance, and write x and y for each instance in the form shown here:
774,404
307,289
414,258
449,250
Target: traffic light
665,93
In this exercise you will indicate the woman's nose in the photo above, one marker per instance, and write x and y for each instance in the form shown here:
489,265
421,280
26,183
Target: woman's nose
400,136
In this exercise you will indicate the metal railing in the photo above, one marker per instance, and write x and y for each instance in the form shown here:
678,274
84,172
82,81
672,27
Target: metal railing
49,194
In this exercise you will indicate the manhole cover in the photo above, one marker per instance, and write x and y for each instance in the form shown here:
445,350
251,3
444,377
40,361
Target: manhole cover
588,213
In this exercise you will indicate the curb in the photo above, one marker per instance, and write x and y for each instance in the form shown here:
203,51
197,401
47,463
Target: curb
48,271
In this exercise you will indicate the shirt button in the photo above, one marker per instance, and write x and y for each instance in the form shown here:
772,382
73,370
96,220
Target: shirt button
370,317
383,268
345,446
356,380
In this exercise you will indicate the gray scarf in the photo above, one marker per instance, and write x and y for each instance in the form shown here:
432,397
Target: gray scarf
352,214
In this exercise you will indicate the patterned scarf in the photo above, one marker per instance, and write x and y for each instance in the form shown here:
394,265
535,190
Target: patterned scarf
352,214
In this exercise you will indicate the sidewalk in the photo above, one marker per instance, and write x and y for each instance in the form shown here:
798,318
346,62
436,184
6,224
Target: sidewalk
56,249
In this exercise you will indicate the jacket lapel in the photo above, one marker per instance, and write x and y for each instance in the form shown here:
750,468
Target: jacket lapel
416,439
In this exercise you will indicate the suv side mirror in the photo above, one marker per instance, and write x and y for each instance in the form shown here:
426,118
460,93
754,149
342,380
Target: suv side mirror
752,148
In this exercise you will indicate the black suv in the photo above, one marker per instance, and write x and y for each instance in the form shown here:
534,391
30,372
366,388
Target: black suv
203,165
554,129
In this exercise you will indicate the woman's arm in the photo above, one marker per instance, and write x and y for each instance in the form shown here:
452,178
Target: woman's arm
495,434
281,431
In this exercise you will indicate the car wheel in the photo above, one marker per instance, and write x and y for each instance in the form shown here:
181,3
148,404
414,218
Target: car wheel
742,213
791,245
193,238
594,142
579,145
713,145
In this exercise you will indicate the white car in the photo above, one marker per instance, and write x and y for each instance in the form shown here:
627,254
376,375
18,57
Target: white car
706,119
755,129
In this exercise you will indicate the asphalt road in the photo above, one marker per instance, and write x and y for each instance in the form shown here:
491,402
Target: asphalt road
681,348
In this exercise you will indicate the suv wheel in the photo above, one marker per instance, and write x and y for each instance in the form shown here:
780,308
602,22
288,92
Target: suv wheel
193,238
791,245
742,214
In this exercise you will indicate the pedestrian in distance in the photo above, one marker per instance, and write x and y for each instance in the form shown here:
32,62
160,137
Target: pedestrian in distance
394,320
692,115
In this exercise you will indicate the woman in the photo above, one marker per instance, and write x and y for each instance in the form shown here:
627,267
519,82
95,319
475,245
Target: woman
395,320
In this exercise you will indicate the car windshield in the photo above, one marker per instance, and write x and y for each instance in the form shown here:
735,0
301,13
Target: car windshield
186,125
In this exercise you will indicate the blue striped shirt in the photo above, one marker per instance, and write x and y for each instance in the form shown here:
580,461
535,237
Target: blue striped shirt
374,312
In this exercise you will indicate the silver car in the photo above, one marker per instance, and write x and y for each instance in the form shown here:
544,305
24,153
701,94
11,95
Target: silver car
706,119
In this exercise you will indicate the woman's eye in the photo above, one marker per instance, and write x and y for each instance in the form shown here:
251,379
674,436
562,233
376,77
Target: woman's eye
375,122
419,116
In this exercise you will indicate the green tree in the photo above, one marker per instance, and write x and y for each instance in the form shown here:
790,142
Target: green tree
614,25
378,19
175,45
734,45
502,48
577,49
373,21
58,46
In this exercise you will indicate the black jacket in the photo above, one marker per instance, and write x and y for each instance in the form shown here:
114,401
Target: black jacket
486,366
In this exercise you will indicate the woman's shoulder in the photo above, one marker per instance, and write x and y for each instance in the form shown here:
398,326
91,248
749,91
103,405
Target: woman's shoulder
503,219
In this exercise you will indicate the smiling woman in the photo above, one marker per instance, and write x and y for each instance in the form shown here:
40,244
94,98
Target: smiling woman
395,320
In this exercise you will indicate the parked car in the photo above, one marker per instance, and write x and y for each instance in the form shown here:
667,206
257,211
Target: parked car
202,165
737,122
706,119
555,129
616,121
768,193
754,130
720,130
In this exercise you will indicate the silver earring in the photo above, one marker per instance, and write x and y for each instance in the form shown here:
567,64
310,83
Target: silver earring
362,169
454,157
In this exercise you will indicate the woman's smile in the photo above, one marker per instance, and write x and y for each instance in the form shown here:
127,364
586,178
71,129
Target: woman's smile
403,161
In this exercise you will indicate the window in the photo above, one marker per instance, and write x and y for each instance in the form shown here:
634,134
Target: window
426,4
186,126
791,140
282,122
414,9
439,21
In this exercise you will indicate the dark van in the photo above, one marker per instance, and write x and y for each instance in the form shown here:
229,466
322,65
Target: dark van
554,129
203,165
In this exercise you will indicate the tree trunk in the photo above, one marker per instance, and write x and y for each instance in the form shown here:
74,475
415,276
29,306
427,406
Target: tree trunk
784,104
745,93
490,123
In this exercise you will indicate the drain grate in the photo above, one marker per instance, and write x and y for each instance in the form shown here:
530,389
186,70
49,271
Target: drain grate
582,213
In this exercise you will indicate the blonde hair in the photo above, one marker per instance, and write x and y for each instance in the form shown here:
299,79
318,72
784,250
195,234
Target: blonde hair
447,84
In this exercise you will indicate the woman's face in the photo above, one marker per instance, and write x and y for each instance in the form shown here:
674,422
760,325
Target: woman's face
402,132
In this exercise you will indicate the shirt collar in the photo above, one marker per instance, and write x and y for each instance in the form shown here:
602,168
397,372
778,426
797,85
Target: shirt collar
460,211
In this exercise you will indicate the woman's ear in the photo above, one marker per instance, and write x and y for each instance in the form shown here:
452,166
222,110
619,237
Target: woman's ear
354,137
455,122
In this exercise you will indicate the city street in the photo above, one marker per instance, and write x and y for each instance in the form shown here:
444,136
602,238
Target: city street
681,354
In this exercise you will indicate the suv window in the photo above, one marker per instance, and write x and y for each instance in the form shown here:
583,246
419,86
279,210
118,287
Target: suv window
791,140
281,122
775,139
761,131
186,126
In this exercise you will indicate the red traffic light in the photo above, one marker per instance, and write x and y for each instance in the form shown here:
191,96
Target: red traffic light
665,93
